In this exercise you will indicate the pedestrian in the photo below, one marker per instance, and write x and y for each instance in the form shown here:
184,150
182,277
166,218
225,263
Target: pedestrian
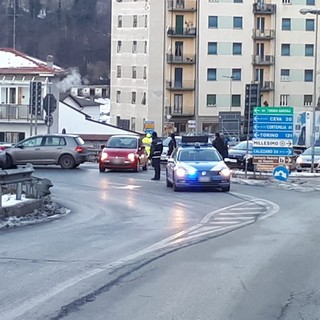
155,154
220,145
172,144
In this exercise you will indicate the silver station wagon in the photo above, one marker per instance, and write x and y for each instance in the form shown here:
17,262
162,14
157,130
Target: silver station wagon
65,150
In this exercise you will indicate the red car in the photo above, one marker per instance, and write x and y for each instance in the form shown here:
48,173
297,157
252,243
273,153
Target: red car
123,152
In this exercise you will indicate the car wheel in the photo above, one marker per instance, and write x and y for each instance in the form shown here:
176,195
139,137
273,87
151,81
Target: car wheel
101,169
174,186
67,162
226,189
137,168
9,163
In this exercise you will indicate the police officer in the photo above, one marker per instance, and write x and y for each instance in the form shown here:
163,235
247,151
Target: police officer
155,154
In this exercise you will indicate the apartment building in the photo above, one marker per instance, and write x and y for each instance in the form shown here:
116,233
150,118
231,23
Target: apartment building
137,63
214,48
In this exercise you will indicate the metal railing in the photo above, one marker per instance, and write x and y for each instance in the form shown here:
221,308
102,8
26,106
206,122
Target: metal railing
182,32
181,85
21,181
185,58
182,5
16,112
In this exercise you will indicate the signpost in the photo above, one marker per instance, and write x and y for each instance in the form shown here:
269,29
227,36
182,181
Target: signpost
272,137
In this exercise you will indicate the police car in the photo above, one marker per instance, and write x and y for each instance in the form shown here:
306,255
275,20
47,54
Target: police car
195,163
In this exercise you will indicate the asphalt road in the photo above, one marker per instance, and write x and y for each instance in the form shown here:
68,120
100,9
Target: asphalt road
133,249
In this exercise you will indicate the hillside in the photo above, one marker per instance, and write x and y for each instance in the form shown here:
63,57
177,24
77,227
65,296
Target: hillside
75,32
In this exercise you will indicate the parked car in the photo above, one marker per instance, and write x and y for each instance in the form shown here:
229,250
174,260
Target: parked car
196,164
303,162
123,152
65,150
2,158
238,154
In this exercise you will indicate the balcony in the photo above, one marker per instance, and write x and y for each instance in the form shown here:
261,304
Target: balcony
266,34
264,8
16,112
184,59
187,85
266,60
182,5
266,86
189,32
182,111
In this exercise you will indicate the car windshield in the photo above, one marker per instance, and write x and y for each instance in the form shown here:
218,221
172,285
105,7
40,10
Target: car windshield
309,150
242,146
191,155
122,143
79,141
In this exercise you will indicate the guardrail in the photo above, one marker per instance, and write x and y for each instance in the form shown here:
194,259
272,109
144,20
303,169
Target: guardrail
21,180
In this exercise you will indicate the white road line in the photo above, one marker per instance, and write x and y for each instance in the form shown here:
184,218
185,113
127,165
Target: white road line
254,213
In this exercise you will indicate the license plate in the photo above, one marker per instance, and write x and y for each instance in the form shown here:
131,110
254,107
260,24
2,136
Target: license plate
117,161
204,179
230,160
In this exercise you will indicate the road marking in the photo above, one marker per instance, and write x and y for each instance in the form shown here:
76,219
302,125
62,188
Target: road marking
192,233
127,187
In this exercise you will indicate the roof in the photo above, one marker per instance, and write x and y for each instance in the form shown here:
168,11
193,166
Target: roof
13,61
82,102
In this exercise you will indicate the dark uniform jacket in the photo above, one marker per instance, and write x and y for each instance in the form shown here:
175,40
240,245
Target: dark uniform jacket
156,148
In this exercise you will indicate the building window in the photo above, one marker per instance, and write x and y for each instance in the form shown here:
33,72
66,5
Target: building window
237,22
10,96
212,48
144,98
178,104
145,46
284,99
119,46
119,21
211,100
133,123
236,74
307,100
118,71
134,47
237,48
135,21
212,74
133,97
146,21
285,49
309,50
308,75
236,100
237,1
285,74
309,24
144,72
213,22
286,1
310,2
286,24
118,96
134,72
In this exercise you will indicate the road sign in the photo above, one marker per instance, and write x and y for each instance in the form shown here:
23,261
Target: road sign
272,143
272,118
265,160
273,135
278,152
273,131
281,173
49,103
266,167
273,110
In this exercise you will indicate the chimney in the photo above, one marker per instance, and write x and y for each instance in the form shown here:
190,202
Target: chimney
50,61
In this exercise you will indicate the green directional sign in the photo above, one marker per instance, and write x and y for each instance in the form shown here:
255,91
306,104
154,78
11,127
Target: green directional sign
273,110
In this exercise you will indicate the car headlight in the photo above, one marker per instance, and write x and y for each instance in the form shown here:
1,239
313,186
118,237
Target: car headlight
180,172
192,171
225,172
104,156
299,160
131,157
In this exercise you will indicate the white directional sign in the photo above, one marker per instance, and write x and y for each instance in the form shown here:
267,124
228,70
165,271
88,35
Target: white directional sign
274,143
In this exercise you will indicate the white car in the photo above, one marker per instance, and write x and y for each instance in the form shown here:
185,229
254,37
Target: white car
164,155
303,162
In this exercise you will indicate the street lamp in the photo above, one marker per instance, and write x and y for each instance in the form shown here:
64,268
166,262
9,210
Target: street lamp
230,93
316,12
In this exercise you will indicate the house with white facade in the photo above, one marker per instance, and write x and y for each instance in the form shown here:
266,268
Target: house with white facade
17,70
